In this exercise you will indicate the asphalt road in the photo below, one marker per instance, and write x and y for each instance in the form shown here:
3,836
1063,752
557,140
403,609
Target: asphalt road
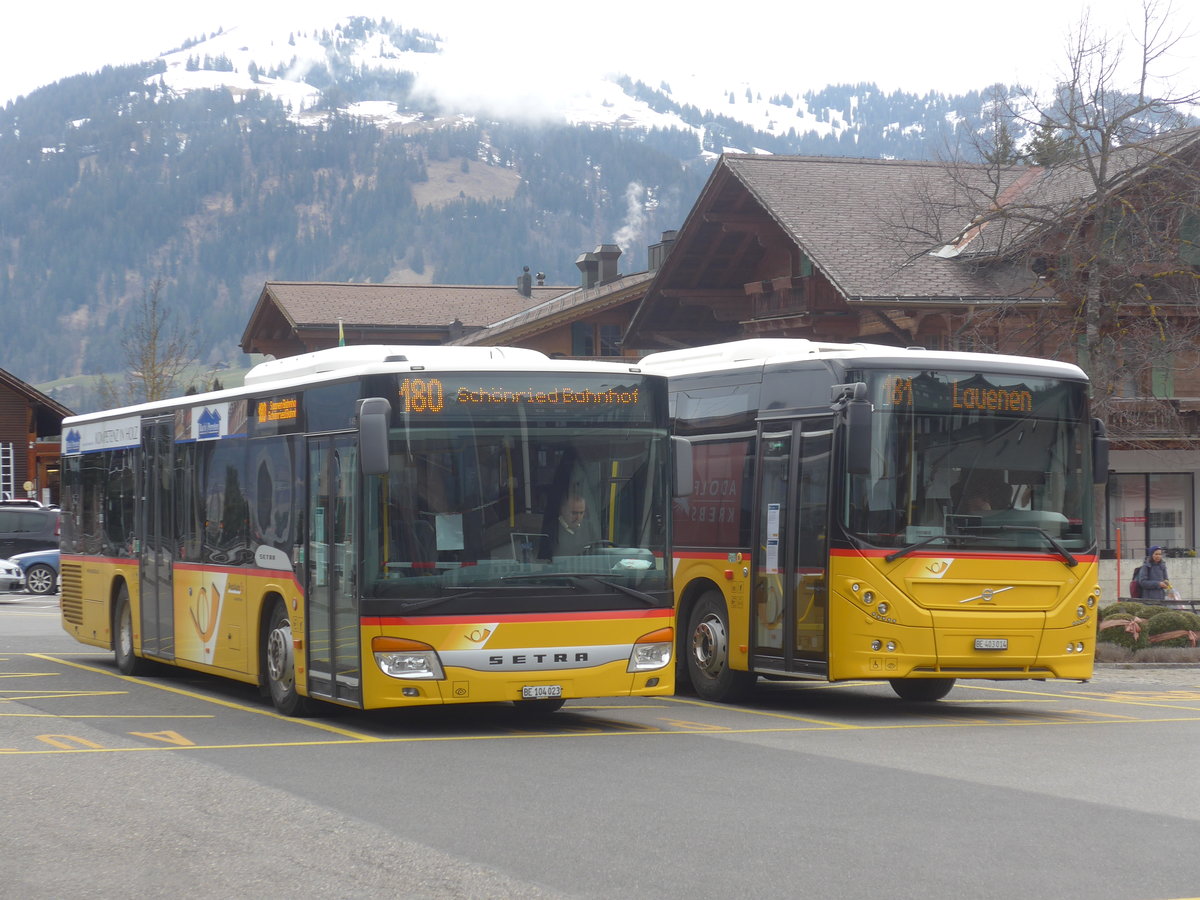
182,784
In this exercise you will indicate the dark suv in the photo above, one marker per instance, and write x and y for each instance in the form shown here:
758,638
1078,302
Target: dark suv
25,528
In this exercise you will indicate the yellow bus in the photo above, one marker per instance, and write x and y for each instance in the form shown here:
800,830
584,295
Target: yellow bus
871,512
377,527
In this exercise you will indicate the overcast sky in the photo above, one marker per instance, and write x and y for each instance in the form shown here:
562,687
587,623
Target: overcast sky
918,46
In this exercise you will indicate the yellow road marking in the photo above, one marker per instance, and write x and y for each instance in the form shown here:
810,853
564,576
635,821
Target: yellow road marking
436,739
58,695
760,712
29,674
271,714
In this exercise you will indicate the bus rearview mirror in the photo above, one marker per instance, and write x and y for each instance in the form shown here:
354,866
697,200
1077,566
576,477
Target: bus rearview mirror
681,449
374,417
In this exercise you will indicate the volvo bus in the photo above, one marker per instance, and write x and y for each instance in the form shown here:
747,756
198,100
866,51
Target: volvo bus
373,526
871,512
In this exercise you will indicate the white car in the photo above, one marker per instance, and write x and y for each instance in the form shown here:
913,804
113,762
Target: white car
12,578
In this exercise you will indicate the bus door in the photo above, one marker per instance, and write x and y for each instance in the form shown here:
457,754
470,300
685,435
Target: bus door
791,546
157,552
334,661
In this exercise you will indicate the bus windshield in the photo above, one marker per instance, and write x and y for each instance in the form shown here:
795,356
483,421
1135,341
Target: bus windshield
508,508
974,461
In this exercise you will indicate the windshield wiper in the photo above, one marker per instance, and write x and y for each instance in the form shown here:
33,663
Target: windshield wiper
1062,551
453,593
579,579
904,551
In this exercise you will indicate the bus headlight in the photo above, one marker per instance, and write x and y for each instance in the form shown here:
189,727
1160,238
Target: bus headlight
404,658
652,651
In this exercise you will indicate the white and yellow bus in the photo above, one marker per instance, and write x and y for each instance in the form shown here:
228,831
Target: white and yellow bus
869,512
374,527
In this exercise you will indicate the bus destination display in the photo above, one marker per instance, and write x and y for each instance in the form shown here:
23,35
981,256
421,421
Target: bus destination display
964,393
435,396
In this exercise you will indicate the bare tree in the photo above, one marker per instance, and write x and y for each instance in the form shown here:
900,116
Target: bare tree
157,351
1104,222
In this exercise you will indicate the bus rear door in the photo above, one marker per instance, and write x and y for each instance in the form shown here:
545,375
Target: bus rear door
157,552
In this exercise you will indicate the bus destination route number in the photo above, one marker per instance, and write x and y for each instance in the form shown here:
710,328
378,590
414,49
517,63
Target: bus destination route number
422,395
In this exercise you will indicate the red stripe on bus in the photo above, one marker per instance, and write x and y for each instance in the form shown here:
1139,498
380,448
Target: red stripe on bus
520,617
945,553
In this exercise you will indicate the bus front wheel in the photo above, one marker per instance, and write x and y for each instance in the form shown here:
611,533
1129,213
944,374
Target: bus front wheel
128,662
281,666
708,652
922,690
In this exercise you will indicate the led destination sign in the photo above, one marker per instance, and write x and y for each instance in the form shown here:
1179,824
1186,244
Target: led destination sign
539,394
967,393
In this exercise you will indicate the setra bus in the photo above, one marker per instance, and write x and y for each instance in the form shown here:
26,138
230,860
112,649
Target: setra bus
871,512
374,526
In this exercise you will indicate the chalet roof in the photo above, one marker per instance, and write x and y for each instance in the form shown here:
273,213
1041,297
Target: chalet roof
298,307
867,223
1045,196
49,412
564,307
309,303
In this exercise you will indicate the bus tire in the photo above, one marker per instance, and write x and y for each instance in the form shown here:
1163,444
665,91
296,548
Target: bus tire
922,690
708,652
128,662
280,666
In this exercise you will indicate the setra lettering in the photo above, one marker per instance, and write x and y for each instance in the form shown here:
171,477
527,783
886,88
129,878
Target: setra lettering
525,659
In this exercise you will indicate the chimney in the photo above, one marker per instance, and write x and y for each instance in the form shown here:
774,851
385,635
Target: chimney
608,255
657,253
589,269
525,283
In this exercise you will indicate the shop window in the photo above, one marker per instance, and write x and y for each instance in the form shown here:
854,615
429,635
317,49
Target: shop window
1148,509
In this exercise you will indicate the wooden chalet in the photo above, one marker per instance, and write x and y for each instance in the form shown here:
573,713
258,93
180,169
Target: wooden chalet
30,432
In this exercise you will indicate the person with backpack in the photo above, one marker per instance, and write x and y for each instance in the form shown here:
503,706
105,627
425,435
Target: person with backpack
1152,576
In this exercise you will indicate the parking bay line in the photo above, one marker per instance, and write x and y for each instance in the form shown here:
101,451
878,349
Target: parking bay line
271,714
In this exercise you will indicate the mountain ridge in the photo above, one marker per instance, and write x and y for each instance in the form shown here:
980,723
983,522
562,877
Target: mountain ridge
218,167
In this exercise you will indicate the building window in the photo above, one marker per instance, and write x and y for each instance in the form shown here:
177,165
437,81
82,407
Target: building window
1162,379
1148,509
586,337
610,340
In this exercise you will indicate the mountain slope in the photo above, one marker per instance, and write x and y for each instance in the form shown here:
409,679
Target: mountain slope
354,155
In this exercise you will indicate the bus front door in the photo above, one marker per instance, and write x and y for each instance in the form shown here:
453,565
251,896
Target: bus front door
334,661
791,547
157,551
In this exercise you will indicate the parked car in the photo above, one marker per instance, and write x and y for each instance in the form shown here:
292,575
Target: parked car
24,528
39,569
11,575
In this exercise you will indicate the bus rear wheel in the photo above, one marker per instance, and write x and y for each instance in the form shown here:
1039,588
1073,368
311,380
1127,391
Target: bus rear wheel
128,662
280,661
708,652
922,690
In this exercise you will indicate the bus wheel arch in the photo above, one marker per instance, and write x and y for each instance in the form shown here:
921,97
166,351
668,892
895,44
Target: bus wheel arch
707,643
278,662
921,690
127,660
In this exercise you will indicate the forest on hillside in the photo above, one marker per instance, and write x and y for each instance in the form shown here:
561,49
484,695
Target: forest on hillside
110,183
